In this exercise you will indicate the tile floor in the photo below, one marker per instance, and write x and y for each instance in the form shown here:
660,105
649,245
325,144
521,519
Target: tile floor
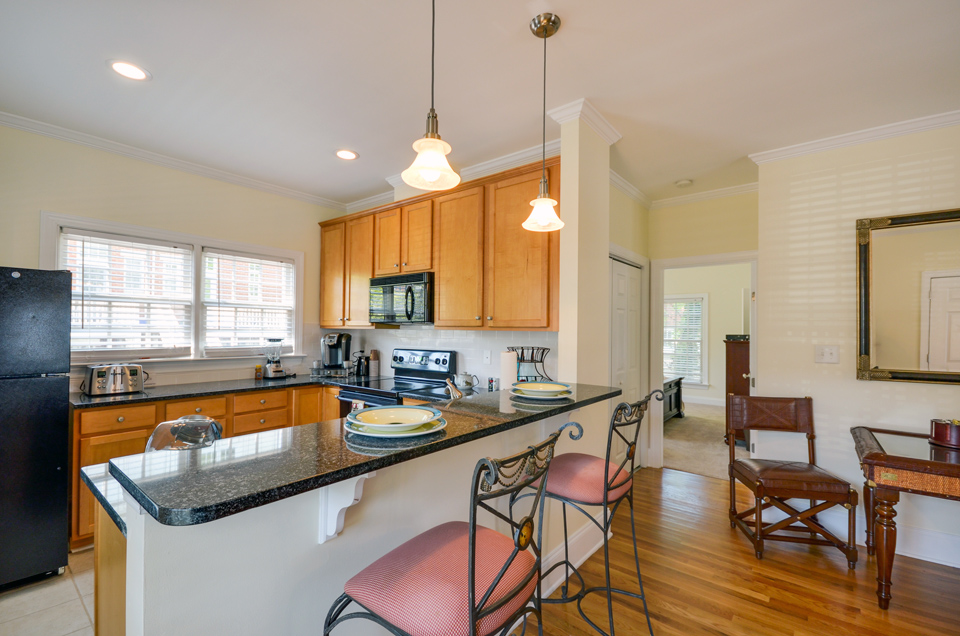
56,606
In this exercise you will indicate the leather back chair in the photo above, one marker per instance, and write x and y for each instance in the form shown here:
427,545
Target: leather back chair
775,482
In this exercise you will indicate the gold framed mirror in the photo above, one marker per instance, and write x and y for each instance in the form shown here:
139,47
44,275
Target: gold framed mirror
908,297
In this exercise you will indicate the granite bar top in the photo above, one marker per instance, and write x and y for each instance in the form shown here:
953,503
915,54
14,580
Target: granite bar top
182,488
107,491
205,389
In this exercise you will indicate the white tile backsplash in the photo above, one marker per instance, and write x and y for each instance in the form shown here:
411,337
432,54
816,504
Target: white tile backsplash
469,345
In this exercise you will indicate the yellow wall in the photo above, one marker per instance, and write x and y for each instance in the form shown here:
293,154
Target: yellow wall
714,226
629,222
807,296
40,173
723,285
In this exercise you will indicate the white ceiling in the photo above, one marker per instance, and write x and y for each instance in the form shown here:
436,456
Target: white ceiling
269,90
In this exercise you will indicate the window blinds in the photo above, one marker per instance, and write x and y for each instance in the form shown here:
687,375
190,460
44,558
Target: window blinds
129,294
245,300
683,339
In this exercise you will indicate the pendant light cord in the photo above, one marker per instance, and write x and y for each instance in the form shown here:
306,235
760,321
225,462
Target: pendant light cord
433,45
544,144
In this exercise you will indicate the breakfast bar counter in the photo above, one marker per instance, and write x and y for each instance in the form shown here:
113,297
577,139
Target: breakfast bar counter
267,527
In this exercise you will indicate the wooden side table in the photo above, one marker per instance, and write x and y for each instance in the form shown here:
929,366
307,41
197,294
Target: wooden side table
895,462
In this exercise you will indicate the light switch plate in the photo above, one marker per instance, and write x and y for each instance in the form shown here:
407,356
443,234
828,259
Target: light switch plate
827,354
486,357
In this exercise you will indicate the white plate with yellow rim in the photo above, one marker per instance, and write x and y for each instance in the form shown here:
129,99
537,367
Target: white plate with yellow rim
394,417
423,429
541,388
535,396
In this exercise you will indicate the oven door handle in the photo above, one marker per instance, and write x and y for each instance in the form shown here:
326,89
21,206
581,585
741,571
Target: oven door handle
409,302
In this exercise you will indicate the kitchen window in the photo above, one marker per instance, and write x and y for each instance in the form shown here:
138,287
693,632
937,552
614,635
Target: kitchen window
140,293
685,338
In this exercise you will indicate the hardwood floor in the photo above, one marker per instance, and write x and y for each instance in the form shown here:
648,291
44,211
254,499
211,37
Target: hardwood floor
701,577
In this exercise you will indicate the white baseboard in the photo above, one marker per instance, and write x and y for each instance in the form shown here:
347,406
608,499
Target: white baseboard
919,543
695,399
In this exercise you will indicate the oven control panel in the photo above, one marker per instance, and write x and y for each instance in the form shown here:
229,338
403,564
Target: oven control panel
424,360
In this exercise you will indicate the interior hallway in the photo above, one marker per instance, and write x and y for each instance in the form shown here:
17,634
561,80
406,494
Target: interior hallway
694,443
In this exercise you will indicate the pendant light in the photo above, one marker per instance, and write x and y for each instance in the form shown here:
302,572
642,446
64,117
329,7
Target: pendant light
430,170
543,217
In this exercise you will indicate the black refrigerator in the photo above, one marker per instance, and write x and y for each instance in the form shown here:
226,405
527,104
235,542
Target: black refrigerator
34,421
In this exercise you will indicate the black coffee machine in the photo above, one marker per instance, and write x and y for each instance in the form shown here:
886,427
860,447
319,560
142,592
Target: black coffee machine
336,350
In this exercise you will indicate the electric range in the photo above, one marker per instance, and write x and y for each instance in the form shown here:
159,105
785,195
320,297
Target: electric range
416,371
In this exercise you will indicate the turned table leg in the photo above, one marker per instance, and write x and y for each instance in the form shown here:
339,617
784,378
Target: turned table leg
886,541
870,512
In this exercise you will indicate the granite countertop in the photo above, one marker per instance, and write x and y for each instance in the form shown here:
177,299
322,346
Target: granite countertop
181,488
204,389
107,491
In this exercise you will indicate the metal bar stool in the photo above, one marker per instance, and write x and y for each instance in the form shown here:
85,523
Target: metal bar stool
461,578
579,480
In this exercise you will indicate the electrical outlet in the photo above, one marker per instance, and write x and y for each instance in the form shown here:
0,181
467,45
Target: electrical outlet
486,356
827,354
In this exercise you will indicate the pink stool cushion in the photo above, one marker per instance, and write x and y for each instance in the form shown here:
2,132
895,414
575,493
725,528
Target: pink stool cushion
580,477
421,586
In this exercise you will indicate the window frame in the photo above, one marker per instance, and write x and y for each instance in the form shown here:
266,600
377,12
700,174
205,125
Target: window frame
51,225
704,336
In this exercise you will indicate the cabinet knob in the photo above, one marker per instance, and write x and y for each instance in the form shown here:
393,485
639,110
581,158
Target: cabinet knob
263,401
198,409
120,419
746,375
263,421
404,264
489,317
397,264
478,317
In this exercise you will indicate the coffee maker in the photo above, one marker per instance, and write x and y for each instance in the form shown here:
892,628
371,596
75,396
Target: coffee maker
336,350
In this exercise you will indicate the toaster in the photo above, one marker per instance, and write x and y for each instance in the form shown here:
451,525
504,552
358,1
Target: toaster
110,379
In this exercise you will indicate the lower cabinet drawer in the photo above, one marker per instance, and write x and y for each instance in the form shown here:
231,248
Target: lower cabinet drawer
120,419
262,421
244,402
212,407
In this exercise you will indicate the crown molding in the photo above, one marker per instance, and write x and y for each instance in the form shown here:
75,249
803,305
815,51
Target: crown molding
877,133
98,143
582,109
705,196
395,181
629,189
370,202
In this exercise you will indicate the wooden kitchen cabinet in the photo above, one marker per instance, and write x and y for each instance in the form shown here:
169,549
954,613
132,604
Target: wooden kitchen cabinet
359,271
403,240
97,450
215,407
458,290
517,271
330,407
332,274
113,420
259,421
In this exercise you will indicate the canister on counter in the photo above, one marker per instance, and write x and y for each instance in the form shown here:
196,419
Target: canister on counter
258,372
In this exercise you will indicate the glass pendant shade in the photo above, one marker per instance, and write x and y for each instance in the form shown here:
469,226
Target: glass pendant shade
543,217
430,170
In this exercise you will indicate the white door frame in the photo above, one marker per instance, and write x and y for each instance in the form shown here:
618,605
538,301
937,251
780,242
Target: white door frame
654,451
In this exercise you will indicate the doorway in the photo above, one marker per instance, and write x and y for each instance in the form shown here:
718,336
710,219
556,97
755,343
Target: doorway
721,288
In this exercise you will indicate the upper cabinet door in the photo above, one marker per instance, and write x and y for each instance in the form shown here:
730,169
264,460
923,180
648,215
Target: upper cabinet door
458,292
359,271
332,274
416,237
517,275
386,240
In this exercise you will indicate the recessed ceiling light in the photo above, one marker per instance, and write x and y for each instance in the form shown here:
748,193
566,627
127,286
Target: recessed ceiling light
684,183
128,70
349,155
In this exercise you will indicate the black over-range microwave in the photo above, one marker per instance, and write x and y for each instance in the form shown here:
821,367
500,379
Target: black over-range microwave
407,298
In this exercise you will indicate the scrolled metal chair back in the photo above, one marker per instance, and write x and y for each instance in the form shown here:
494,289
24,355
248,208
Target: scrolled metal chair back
496,478
625,426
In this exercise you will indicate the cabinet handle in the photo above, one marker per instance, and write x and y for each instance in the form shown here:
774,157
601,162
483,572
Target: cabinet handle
404,264
199,409
263,421
489,317
120,419
746,375
397,264
478,317
263,401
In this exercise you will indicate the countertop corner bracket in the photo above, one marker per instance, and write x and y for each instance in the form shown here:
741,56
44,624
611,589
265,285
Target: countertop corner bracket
334,501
